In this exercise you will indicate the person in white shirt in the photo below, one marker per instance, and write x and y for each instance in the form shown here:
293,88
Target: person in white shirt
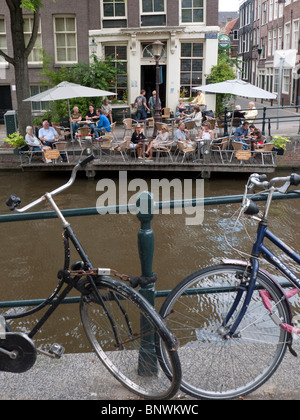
48,135
195,116
161,140
251,114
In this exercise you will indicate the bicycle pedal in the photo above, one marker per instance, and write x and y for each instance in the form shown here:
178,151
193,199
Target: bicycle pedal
57,350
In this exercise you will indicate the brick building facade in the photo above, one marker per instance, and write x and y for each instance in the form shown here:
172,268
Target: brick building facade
72,31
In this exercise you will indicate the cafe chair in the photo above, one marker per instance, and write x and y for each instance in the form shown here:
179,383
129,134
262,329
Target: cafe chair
62,147
220,146
166,113
265,151
185,150
128,125
120,148
105,144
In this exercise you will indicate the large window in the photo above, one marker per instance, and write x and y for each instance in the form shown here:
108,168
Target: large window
153,13
118,53
3,44
192,11
191,73
36,55
39,106
114,14
65,39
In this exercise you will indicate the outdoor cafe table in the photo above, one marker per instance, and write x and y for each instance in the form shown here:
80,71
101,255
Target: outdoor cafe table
251,141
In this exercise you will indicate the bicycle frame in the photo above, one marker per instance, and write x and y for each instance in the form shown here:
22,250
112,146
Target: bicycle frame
259,249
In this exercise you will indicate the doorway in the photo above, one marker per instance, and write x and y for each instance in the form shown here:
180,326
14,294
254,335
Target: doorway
148,79
5,101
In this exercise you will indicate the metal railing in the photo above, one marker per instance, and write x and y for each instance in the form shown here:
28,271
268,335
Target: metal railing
266,120
145,234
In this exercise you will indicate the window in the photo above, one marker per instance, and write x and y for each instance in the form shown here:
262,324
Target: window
114,14
276,80
192,11
295,41
36,56
118,53
3,44
287,36
191,73
65,39
39,106
286,80
153,13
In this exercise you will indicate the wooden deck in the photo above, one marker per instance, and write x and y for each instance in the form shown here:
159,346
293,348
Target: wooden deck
206,166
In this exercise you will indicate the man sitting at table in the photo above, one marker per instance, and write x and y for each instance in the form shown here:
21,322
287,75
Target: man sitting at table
241,133
75,119
103,124
48,135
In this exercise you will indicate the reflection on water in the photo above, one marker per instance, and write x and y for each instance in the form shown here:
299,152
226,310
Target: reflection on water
32,252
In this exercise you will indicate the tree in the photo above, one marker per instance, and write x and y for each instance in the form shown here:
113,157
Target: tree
21,52
223,71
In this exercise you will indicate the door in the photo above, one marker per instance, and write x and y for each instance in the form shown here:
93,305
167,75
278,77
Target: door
148,80
5,101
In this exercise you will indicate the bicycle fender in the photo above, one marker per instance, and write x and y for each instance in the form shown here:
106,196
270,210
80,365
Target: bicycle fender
281,291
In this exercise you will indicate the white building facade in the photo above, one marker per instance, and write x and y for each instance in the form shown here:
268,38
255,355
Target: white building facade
187,28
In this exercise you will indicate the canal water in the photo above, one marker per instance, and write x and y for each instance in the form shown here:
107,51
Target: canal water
32,252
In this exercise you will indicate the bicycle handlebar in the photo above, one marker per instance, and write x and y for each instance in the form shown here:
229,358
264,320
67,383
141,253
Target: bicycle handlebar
261,181
13,202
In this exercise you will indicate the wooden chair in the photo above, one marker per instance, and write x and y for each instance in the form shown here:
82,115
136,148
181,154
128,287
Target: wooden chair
105,145
185,150
128,124
166,113
267,150
62,147
121,148
220,146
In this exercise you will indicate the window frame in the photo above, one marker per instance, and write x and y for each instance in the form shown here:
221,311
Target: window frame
32,62
193,23
65,16
116,45
192,58
164,13
114,17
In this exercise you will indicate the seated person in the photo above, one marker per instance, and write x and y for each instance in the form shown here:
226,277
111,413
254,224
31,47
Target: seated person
75,118
103,124
107,110
48,135
181,108
137,140
241,133
195,116
92,117
252,113
257,135
206,133
182,135
162,140
33,142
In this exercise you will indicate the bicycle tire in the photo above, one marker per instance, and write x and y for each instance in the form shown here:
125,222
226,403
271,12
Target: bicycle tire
113,328
213,367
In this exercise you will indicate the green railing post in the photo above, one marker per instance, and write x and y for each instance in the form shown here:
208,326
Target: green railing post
263,132
147,358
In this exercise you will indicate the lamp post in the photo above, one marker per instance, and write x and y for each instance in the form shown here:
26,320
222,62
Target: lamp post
157,48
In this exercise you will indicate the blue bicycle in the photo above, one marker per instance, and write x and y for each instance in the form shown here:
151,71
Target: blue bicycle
234,321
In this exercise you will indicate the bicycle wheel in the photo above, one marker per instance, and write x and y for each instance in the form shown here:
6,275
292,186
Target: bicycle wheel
122,328
214,367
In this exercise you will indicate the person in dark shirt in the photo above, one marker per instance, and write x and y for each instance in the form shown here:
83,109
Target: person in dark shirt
137,140
92,117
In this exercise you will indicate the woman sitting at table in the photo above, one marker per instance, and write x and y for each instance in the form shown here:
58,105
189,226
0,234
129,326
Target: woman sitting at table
180,109
257,135
34,143
75,119
137,140
162,140
92,117
195,116
205,134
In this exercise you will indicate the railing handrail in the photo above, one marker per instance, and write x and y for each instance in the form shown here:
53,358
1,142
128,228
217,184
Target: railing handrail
94,211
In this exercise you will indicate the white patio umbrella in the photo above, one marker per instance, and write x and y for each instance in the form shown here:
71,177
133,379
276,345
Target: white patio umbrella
238,88
66,90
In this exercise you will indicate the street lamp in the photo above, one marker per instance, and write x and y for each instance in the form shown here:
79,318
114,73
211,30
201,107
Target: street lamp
157,49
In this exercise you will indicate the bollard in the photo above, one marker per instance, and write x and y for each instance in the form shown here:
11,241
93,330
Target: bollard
148,365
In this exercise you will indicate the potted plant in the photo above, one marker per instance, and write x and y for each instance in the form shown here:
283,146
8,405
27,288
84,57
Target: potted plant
280,143
17,141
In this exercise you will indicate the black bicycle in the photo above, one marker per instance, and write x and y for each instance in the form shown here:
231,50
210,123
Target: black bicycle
122,326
